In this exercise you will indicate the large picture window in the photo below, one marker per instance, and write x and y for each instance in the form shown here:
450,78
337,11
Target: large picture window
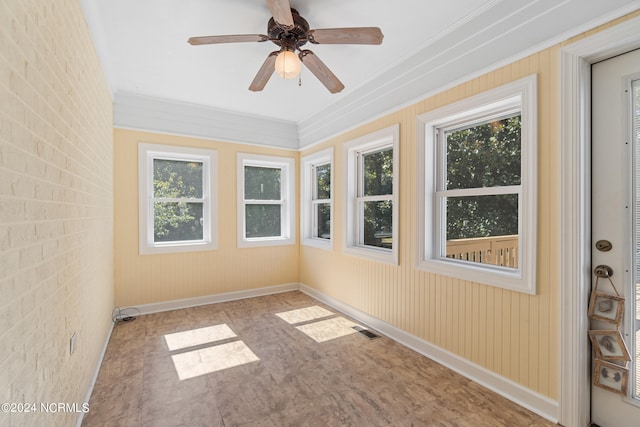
317,200
177,199
477,195
266,192
371,196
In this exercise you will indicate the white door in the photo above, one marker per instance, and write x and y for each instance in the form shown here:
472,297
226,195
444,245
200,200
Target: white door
615,210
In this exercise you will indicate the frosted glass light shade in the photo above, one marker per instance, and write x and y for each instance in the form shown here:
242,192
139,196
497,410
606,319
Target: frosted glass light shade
287,65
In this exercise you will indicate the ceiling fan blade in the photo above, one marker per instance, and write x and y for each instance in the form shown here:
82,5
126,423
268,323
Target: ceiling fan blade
238,38
355,35
264,73
321,71
281,12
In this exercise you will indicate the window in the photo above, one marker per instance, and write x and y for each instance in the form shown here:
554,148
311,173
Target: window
477,210
317,202
178,197
266,195
371,184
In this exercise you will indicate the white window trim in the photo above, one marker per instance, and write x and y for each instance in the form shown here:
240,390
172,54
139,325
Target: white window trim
520,93
384,138
308,162
209,158
288,192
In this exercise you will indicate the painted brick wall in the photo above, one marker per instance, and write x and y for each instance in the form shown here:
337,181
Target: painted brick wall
56,208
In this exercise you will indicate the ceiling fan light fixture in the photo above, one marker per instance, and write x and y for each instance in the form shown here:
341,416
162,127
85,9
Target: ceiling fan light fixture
287,64
290,31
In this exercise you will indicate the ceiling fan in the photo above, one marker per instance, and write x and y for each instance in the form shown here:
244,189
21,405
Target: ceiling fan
290,31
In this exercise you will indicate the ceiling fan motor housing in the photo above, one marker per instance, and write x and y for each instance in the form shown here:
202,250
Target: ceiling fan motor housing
296,35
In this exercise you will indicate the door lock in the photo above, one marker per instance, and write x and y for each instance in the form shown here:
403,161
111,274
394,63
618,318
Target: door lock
603,271
603,245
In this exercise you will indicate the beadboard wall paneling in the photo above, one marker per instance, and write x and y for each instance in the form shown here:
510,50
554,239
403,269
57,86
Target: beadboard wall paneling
512,334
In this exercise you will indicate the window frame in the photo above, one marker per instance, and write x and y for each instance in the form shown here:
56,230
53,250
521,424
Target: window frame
353,220
287,200
147,153
310,201
518,96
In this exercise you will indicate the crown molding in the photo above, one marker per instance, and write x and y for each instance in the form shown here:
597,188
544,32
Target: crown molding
471,51
174,117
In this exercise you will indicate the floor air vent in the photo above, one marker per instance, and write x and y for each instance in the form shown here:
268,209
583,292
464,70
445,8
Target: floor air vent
366,332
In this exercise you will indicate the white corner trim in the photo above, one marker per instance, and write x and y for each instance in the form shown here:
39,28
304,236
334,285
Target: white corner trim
574,202
94,378
535,402
158,307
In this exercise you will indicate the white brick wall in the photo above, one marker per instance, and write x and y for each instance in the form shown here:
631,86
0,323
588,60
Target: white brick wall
56,207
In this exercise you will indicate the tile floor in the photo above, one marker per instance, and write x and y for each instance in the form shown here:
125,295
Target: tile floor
276,361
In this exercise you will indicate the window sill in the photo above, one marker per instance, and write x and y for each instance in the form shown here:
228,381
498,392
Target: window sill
265,241
177,248
387,256
505,278
319,244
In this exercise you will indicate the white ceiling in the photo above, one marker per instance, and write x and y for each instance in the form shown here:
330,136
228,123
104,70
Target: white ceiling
428,45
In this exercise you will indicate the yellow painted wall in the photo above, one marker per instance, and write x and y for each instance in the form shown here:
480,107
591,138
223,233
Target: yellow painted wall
56,208
144,279
510,333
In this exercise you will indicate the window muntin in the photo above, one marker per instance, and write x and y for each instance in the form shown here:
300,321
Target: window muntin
321,201
178,200
264,205
479,190
371,182
316,209
178,196
266,200
375,198
477,168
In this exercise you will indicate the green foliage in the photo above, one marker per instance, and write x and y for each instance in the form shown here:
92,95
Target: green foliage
263,220
323,220
486,155
262,183
482,216
378,173
378,180
177,221
323,181
322,212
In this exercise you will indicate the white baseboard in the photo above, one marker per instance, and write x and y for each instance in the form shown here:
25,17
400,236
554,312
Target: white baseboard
212,299
535,402
94,378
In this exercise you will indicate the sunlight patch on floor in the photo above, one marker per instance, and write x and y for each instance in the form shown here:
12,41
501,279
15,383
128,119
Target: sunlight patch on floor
195,337
304,314
212,359
326,330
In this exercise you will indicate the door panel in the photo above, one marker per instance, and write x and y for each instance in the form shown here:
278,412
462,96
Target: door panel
614,212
